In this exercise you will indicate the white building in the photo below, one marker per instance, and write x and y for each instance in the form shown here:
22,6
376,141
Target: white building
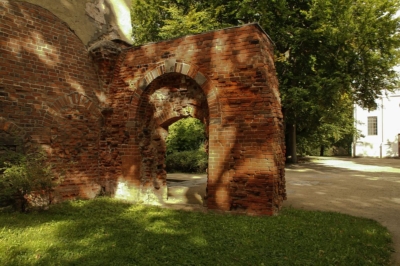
380,129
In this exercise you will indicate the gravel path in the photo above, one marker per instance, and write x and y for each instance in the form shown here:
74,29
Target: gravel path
364,187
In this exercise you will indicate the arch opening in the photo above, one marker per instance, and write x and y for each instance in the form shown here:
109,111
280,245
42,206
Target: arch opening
187,162
167,99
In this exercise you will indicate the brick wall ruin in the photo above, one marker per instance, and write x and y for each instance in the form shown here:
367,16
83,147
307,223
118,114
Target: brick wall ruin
103,114
50,91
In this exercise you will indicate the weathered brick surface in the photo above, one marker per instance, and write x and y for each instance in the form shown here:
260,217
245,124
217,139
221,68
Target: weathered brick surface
105,124
233,74
48,91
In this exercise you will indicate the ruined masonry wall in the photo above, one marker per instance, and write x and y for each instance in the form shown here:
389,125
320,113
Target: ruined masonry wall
235,71
49,95
102,114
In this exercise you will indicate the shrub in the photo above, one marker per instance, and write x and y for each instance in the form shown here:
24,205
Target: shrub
185,135
22,174
187,161
185,147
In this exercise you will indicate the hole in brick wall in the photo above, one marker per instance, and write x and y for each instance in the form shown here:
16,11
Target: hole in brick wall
186,135
161,105
187,161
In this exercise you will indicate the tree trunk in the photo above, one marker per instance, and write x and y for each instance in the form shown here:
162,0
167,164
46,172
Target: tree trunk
321,150
292,143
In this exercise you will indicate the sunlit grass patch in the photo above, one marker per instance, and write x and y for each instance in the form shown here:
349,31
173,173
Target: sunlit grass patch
109,232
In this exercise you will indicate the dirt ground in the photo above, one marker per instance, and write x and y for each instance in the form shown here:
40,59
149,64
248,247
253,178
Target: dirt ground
364,187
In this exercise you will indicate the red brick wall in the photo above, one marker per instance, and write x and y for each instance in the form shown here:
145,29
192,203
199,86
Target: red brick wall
48,88
105,124
234,70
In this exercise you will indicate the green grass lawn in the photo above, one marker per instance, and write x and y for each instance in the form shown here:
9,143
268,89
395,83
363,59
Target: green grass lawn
109,232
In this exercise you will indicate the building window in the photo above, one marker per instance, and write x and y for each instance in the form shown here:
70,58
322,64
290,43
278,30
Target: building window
372,125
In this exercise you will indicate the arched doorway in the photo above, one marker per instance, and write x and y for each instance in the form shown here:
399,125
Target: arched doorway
167,99
187,162
233,70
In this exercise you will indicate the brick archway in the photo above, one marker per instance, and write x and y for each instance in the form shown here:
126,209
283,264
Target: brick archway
140,83
187,71
170,91
167,99
234,70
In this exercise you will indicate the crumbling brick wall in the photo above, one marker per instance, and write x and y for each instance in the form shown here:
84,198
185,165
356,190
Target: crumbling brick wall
234,72
49,91
103,114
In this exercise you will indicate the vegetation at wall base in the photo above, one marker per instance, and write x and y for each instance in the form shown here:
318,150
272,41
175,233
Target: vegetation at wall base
24,173
110,232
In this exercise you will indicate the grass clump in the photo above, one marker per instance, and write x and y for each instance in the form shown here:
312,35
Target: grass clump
109,232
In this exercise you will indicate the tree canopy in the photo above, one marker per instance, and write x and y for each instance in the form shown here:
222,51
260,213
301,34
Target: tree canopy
329,54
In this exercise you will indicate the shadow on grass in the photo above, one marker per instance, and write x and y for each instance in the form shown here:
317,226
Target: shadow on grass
107,232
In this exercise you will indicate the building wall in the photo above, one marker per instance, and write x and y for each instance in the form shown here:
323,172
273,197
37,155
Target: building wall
234,69
102,114
386,142
50,95
92,20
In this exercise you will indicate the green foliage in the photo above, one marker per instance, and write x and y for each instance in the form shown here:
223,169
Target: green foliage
21,174
118,233
329,53
334,126
187,161
180,24
185,147
185,135
147,17
156,20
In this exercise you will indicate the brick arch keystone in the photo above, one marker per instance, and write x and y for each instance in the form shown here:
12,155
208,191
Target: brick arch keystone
191,70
